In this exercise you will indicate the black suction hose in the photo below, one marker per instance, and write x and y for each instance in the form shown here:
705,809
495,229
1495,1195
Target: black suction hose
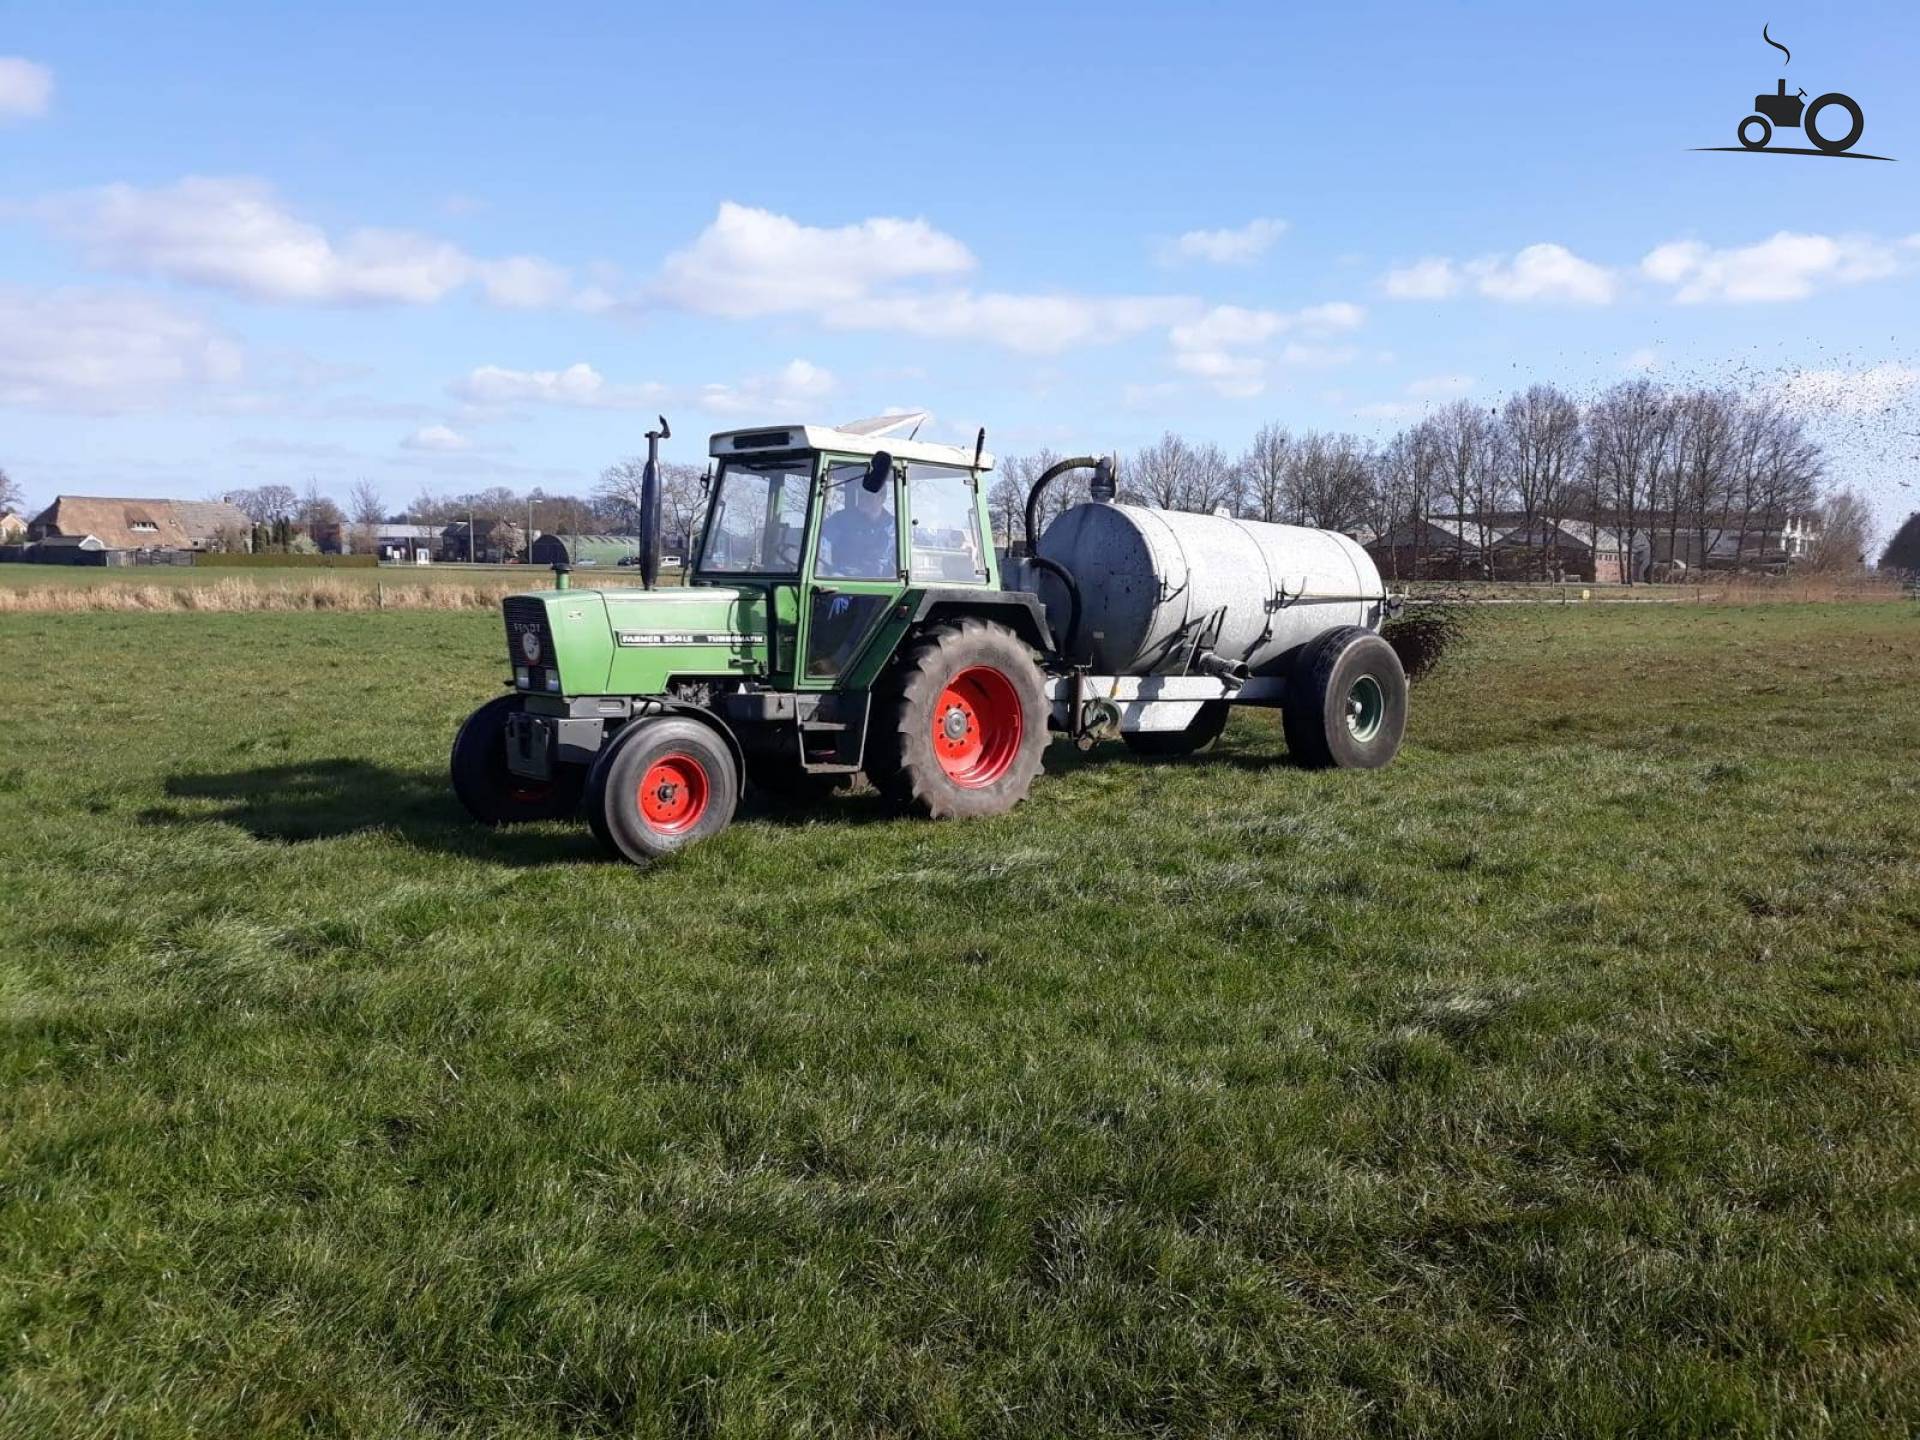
1065,576
1054,567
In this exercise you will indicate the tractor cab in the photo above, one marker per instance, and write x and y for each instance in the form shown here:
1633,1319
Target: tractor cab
834,527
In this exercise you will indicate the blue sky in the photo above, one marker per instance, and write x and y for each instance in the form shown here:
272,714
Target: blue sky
474,244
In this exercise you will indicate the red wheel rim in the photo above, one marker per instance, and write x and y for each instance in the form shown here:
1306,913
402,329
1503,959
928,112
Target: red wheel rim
672,795
977,724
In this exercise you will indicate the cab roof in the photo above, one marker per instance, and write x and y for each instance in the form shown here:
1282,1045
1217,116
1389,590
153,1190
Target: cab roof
771,439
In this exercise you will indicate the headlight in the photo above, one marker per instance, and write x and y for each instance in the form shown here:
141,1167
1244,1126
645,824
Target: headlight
553,681
520,676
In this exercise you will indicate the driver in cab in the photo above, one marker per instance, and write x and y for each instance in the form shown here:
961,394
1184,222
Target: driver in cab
858,541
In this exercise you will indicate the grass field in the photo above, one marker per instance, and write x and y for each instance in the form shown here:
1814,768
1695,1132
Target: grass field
1563,1078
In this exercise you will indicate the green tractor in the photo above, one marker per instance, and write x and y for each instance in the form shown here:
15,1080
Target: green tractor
845,613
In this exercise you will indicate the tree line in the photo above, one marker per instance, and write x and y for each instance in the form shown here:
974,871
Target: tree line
1667,470
1671,471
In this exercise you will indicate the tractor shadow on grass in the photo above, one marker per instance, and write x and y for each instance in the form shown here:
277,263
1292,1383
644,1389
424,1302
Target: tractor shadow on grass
326,799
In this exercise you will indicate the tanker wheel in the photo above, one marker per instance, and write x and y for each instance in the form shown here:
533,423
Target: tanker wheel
1766,132
1201,731
1346,702
960,728
1846,141
662,784
492,793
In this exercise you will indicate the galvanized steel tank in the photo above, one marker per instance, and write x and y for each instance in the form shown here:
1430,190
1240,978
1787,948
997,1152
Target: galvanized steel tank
1159,587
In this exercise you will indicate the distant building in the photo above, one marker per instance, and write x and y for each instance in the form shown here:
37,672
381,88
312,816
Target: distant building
13,527
592,551
493,542
405,542
134,524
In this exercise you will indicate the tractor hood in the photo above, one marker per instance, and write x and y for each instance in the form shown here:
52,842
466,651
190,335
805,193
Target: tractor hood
635,642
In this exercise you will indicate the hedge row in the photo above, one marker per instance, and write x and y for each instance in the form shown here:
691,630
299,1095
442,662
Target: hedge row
297,562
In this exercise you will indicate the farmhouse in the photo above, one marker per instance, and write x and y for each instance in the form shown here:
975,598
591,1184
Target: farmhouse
13,527
487,542
137,524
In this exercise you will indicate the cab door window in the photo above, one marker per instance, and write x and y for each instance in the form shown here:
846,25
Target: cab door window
858,538
943,519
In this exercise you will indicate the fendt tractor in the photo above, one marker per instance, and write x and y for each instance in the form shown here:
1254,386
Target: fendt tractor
845,613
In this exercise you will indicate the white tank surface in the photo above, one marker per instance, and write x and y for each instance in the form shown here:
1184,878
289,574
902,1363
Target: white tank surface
1161,588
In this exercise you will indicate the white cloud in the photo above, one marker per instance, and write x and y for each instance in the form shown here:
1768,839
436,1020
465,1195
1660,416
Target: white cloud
1544,273
439,439
1871,390
1431,279
578,385
1224,345
234,234
522,283
1035,324
1240,246
752,262
1786,266
1539,273
791,392
885,274
26,89
1643,361
100,351
797,387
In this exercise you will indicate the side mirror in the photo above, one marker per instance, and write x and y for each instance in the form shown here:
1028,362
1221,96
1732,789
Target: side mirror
879,473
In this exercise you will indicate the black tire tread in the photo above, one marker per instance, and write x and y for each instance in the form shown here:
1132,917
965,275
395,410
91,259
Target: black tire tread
900,759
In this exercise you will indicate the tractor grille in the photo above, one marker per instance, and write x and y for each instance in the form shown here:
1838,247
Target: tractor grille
529,639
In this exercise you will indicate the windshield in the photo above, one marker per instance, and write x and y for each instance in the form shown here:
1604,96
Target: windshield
759,518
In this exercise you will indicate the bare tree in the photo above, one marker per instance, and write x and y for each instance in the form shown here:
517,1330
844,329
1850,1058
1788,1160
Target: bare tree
267,504
368,514
10,497
683,499
1463,437
1263,473
1018,474
1626,440
1173,474
1846,533
1705,435
1329,481
1399,496
1005,503
1541,427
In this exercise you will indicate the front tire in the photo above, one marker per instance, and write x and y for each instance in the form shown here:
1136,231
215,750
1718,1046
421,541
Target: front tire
961,727
1759,142
1346,704
492,793
1201,731
663,784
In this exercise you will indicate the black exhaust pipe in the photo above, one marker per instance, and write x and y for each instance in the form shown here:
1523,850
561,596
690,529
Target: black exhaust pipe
650,507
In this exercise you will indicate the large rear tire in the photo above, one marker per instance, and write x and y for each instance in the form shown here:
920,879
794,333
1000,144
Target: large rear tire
1346,704
960,727
1201,731
663,784
492,793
